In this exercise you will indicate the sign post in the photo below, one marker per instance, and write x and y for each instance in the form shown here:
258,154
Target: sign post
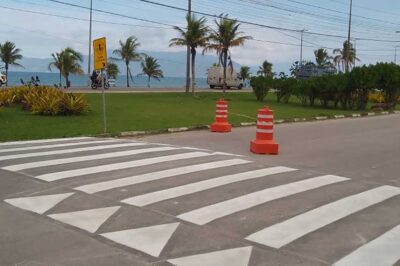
100,63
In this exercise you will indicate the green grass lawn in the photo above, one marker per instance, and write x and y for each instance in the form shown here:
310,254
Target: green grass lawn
146,111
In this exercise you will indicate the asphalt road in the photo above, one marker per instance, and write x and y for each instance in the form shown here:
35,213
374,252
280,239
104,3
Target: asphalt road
332,196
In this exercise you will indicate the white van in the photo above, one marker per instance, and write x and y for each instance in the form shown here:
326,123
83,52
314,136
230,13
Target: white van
3,79
216,76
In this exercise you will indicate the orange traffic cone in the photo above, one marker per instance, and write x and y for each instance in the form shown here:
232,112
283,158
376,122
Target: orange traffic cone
221,118
264,142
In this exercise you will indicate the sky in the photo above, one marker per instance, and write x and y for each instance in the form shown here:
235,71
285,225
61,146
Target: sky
374,26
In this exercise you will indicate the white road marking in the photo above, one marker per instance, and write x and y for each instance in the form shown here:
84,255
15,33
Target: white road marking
382,251
56,145
65,151
128,181
19,167
38,204
175,192
88,220
42,141
287,231
209,213
119,166
150,240
231,257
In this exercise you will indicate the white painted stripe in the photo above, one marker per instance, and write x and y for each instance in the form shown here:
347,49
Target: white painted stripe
263,123
229,257
19,167
150,240
41,141
265,116
222,112
382,251
119,166
56,146
209,213
175,192
222,105
128,181
221,116
89,220
265,131
46,153
284,233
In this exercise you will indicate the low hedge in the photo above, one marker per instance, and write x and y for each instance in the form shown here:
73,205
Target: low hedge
378,83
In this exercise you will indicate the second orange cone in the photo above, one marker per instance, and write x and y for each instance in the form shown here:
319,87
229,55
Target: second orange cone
221,123
264,142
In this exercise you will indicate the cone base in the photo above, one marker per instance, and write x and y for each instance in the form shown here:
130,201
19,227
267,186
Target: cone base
221,127
264,147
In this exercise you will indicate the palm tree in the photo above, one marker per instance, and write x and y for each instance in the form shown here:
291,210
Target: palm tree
245,74
346,56
322,57
265,69
70,60
112,70
226,36
127,52
151,69
57,64
195,35
9,54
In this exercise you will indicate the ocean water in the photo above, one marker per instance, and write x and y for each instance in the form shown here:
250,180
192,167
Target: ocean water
79,81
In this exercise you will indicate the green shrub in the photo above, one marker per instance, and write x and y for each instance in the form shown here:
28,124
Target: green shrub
261,86
73,104
45,100
7,97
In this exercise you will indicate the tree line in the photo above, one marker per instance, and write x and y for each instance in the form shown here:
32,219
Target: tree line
349,90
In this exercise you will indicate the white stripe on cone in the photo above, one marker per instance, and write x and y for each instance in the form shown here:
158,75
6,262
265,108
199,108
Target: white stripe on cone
265,116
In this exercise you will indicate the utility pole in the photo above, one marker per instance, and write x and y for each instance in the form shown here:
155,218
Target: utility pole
395,55
349,36
301,47
355,52
188,52
350,15
90,43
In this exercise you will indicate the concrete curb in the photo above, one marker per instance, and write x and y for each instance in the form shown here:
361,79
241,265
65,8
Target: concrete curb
249,124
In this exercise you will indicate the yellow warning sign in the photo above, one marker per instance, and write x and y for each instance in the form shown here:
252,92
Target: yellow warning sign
100,53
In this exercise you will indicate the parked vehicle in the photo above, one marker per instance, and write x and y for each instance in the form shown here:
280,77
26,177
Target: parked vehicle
216,76
3,79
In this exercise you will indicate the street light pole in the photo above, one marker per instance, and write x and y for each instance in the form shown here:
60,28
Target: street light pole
301,47
188,53
90,43
395,50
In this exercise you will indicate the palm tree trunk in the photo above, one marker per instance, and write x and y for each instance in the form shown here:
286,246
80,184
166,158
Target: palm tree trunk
127,75
187,71
60,80
193,71
224,79
148,81
6,75
67,80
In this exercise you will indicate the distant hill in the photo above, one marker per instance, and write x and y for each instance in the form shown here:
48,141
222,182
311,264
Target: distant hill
173,64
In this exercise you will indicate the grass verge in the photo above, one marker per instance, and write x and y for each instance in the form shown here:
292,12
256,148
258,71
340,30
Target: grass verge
147,111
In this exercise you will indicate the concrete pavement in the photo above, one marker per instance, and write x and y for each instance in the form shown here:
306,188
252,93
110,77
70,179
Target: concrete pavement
196,198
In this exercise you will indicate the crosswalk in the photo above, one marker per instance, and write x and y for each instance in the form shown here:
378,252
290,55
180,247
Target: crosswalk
197,188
